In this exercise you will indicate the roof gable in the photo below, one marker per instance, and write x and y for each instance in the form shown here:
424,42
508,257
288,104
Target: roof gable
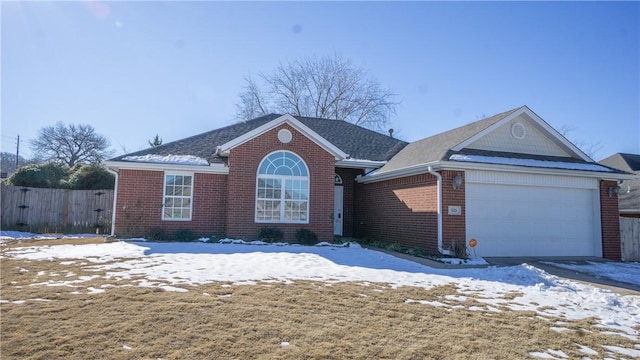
626,162
435,148
494,143
293,122
523,132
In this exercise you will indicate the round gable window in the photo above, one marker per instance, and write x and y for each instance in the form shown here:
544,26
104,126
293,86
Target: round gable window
285,136
518,130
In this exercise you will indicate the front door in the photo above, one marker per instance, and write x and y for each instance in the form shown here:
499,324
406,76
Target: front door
337,210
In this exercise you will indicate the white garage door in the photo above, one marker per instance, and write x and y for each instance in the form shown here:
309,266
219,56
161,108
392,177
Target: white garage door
532,215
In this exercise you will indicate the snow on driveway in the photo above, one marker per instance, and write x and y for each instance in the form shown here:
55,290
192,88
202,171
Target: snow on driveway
171,265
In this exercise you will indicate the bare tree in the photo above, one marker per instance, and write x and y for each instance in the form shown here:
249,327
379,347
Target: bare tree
589,148
328,87
9,162
70,144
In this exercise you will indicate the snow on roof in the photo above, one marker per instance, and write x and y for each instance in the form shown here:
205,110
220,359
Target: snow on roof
169,159
528,162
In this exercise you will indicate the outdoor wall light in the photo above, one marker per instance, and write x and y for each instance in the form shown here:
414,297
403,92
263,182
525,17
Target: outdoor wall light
457,182
614,190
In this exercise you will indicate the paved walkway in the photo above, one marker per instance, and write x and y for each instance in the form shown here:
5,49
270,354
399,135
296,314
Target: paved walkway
541,263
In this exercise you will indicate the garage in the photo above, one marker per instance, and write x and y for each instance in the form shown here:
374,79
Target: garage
520,214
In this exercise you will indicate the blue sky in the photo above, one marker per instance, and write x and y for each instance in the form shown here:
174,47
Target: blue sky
134,69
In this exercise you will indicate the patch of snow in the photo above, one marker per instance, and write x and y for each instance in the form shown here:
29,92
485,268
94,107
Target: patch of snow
624,351
471,261
92,252
168,159
529,162
257,242
624,272
92,290
586,350
549,354
425,302
169,265
173,288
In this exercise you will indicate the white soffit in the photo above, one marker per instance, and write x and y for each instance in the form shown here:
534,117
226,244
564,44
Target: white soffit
224,149
130,165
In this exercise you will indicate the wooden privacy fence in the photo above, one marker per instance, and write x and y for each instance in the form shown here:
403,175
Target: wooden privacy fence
630,238
41,210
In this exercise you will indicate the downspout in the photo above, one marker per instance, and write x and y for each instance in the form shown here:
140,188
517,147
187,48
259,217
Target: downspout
439,186
115,201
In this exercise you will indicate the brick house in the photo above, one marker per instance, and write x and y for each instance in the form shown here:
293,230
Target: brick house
510,181
629,190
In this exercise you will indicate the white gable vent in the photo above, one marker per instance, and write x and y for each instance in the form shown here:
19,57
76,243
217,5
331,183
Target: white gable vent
518,131
285,136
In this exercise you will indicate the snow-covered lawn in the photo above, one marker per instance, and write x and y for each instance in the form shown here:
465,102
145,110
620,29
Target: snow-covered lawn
173,266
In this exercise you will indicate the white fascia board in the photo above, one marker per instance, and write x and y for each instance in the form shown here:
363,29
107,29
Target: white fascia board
557,136
539,121
454,165
489,129
398,173
224,149
359,164
129,165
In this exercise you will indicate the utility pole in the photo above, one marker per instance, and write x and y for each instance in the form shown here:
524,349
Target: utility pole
17,152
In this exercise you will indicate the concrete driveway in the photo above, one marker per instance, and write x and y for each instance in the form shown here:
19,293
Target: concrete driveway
618,287
583,277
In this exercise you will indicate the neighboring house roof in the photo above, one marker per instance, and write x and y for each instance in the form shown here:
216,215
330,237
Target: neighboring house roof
629,195
625,162
356,141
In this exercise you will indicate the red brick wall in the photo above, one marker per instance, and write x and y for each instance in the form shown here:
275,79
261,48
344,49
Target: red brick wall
243,165
609,217
402,211
348,183
453,226
139,206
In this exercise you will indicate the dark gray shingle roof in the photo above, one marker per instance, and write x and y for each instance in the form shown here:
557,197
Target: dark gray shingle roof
358,142
437,147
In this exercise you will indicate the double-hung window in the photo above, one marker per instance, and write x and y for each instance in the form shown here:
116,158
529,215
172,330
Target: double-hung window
178,197
282,190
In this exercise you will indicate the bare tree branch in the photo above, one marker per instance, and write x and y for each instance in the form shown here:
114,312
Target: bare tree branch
590,148
70,144
327,87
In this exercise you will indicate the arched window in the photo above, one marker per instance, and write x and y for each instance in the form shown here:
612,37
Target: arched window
282,189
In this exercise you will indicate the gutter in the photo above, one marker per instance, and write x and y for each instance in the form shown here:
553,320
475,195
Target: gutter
115,172
467,165
439,185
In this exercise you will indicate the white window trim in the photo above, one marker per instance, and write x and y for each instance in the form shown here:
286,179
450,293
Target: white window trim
164,194
283,179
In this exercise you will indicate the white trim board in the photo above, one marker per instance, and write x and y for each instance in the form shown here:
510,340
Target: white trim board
225,148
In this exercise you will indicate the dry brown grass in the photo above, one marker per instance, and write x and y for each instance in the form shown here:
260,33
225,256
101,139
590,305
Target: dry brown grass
319,321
